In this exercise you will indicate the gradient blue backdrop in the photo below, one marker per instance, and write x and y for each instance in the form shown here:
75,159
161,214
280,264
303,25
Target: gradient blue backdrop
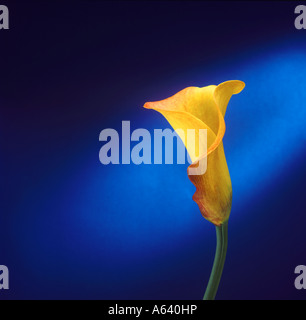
71,228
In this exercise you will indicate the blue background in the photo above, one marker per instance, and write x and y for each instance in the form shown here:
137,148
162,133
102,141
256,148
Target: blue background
71,228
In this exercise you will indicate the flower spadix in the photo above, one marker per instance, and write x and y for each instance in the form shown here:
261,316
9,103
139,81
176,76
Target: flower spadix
204,108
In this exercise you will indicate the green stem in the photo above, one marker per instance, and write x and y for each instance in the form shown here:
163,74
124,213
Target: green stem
217,269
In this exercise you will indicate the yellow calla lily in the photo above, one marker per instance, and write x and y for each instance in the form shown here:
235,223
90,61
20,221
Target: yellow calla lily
204,108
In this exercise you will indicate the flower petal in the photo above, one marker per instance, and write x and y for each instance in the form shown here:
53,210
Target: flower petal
204,108
185,121
214,189
224,92
198,102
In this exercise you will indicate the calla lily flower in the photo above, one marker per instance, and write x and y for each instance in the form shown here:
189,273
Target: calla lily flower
204,108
